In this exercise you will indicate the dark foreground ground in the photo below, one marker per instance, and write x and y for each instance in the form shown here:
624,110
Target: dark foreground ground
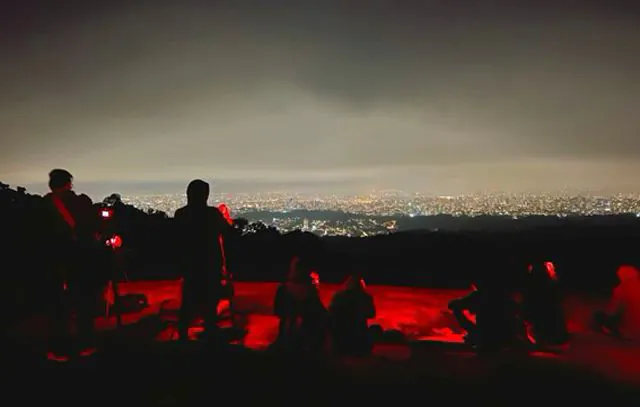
167,374
139,363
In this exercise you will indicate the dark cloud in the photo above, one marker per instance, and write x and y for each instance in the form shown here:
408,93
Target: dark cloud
430,95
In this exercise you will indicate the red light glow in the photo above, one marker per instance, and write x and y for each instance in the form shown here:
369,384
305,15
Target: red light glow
421,314
224,209
551,270
225,272
114,242
315,278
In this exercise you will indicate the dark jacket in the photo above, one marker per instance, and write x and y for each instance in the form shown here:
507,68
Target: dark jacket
198,231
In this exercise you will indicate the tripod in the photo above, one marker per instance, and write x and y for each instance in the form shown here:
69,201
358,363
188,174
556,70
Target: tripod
112,296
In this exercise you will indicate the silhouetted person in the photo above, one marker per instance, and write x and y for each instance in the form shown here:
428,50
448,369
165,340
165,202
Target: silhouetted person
496,323
302,315
542,306
350,310
622,316
200,231
72,224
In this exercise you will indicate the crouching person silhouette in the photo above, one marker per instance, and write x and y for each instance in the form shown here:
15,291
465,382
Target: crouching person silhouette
302,315
496,324
542,306
621,319
350,310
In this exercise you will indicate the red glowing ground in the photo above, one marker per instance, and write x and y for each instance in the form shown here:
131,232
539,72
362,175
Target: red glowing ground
421,314
418,313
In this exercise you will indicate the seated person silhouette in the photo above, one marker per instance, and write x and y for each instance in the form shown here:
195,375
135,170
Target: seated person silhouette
542,306
350,310
200,232
622,317
496,324
301,312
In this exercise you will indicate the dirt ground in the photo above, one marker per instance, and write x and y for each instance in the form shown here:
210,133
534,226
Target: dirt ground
421,314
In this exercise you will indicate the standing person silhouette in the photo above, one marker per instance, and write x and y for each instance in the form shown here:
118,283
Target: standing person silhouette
201,230
71,226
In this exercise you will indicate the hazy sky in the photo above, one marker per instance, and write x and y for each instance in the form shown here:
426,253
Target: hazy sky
432,96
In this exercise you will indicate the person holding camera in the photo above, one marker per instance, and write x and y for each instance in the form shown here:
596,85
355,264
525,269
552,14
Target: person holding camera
71,228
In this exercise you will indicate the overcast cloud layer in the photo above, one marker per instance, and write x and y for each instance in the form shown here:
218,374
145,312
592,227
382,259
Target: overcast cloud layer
343,97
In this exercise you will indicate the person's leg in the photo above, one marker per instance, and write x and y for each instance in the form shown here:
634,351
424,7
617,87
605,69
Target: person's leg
553,331
313,332
85,301
285,332
607,323
187,309
339,338
467,325
354,342
60,321
210,311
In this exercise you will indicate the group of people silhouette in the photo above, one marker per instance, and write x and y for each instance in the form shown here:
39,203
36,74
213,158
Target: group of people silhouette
493,315
201,232
305,323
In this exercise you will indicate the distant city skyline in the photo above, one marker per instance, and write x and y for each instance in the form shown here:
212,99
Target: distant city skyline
384,211
99,190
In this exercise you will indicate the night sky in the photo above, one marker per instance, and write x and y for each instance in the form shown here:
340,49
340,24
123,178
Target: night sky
441,97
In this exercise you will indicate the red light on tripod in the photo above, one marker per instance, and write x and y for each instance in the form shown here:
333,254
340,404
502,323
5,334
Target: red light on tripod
551,270
115,242
315,278
106,213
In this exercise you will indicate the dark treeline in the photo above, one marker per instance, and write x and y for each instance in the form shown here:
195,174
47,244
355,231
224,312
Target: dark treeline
586,253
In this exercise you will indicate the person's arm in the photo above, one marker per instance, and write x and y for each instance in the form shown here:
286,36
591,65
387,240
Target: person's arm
315,301
179,237
223,228
370,307
90,213
465,303
85,201
617,303
281,303
335,304
223,231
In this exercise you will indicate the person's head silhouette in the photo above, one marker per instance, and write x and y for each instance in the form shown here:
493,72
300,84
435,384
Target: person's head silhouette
60,180
354,283
197,192
627,273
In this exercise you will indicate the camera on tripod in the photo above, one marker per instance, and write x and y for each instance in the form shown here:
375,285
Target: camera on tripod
107,228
